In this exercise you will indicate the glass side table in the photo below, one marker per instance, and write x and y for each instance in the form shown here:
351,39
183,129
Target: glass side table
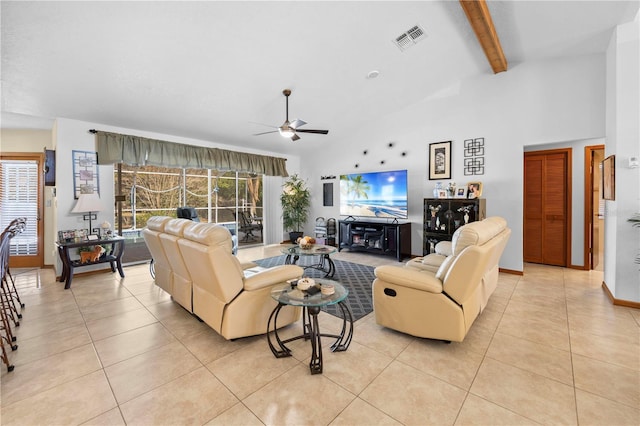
324,263
289,294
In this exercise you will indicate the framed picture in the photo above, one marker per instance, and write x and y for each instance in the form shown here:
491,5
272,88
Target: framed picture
474,190
442,193
609,178
461,192
440,160
85,173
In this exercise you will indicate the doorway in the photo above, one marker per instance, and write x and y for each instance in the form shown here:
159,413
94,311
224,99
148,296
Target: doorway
547,207
21,191
594,208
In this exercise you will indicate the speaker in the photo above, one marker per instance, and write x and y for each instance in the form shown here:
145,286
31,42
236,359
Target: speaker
49,167
327,194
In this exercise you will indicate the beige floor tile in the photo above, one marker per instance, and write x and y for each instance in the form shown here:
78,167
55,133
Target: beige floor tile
413,397
139,286
453,363
183,324
238,415
478,339
93,297
361,413
534,357
110,418
622,329
49,344
195,398
73,402
539,329
109,309
290,399
48,309
594,410
530,395
384,340
354,368
250,368
33,327
625,354
153,297
131,343
38,376
610,381
120,323
480,412
150,369
524,309
209,346
489,319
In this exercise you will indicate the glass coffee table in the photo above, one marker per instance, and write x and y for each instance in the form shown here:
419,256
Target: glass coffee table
324,263
289,295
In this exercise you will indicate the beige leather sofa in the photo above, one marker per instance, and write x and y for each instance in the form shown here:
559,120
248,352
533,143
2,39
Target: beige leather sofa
443,304
201,273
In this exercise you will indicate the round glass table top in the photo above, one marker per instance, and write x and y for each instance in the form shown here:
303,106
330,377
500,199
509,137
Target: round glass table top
289,294
316,249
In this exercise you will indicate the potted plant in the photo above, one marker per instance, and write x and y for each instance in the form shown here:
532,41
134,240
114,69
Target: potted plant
295,200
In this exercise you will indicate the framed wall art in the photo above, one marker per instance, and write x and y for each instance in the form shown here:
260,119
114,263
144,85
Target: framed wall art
440,160
609,178
85,173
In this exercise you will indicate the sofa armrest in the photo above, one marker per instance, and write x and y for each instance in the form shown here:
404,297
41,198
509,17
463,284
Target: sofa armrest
247,265
409,277
271,276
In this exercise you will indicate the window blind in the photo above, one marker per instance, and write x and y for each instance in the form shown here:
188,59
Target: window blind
19,196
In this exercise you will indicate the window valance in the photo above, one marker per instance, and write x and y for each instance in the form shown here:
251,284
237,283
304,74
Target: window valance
134,150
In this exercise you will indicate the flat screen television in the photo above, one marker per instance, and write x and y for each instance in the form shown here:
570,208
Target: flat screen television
376,194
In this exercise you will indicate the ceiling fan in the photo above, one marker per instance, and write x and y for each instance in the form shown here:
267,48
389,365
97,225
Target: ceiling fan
291,129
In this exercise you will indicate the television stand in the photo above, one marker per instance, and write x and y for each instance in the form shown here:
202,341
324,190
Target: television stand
391,239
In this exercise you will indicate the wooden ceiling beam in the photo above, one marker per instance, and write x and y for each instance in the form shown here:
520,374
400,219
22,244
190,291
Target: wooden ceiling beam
480,19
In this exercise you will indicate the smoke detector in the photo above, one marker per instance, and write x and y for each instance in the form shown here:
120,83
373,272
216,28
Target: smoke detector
410,37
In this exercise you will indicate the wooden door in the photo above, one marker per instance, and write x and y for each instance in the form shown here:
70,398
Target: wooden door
546,207
21,193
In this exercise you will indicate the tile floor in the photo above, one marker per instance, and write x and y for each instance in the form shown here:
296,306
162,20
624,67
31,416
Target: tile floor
549,349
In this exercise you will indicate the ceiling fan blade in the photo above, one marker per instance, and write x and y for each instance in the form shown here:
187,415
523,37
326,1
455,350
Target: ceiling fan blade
295,137
262,124
264,133
321,132
297,123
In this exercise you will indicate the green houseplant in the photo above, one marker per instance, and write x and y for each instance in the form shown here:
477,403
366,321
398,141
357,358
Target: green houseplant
295,200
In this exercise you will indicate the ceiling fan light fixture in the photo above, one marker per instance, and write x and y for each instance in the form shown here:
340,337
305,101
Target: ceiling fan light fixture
286,132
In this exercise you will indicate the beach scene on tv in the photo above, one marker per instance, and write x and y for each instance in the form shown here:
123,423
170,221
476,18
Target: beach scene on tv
378,194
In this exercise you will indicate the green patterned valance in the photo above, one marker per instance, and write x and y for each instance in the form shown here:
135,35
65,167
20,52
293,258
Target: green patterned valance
137,151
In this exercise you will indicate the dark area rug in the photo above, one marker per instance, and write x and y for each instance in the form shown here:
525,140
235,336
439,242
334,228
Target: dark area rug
355,277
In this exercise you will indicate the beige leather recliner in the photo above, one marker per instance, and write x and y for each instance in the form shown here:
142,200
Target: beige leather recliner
235,302
182,283
444,304
151,234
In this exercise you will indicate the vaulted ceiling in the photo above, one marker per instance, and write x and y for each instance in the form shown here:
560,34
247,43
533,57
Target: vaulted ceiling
215,71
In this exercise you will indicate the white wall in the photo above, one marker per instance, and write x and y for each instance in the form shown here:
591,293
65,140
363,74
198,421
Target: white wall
532,104
622,242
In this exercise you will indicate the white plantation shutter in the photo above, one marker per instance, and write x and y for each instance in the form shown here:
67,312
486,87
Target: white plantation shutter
19,198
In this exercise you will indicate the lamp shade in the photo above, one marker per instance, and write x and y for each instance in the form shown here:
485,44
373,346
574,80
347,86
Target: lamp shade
88,203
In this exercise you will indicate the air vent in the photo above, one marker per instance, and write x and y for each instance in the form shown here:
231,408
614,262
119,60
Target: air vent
410,37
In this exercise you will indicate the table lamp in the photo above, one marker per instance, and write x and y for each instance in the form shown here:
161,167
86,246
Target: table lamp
88,203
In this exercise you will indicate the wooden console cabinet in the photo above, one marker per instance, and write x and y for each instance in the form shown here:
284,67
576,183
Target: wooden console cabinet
392,239
442,216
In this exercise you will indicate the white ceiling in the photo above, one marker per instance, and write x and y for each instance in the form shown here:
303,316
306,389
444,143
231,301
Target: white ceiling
212,70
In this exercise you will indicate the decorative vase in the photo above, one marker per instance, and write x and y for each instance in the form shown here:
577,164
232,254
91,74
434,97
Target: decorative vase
466,218
437,223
